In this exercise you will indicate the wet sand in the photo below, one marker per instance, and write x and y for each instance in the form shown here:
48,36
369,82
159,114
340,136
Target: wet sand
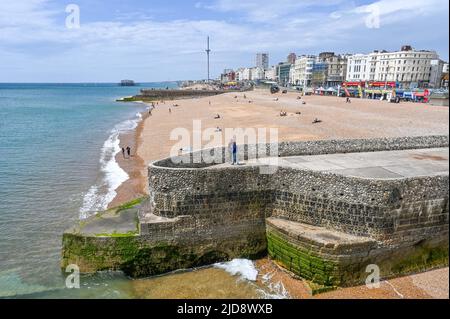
260,109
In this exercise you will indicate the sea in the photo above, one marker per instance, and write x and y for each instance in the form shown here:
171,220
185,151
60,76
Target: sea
57,165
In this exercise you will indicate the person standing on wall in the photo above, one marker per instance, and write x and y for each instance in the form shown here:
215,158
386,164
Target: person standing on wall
234,152
230,150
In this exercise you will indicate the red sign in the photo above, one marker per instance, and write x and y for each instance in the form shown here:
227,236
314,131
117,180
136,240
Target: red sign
382,84
353,83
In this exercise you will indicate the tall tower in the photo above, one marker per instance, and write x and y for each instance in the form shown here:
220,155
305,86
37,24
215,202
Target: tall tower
208,51
262,60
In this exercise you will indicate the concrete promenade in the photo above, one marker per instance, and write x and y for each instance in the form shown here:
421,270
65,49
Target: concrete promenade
375,165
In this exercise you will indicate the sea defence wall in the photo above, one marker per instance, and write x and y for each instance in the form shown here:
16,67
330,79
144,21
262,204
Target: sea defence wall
321,226
158,94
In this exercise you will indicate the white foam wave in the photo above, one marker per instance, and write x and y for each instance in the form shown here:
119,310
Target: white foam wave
242,267
98,197
275,291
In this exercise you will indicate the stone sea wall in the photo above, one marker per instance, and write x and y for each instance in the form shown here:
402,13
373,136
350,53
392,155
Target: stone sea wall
197,214
150,94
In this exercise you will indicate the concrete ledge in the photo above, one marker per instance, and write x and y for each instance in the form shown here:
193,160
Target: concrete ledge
321,238
305,252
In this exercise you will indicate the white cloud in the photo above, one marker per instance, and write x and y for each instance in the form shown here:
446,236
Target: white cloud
25,13
32,32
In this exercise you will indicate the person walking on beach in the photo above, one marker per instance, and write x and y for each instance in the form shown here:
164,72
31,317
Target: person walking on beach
129,151
123,152
348,100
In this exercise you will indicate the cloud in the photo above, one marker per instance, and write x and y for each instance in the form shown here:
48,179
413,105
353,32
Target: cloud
25,13
32,32
268,11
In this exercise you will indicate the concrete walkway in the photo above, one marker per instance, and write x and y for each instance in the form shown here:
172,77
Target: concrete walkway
377,165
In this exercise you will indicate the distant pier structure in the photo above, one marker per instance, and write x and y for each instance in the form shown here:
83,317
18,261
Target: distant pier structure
127,83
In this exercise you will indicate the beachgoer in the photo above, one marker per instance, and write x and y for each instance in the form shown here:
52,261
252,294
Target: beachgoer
234,152
170,110
129,151
230,150
123,152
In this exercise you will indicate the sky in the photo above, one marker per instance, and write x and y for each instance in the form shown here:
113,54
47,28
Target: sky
165,40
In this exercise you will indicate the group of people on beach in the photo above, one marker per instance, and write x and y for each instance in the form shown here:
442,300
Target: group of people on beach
127,151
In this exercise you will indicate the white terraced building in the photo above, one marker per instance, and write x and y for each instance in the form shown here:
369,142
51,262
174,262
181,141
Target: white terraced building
302,70
408,67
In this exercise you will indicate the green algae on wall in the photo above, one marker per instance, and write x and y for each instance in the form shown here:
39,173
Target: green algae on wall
326,272
302,262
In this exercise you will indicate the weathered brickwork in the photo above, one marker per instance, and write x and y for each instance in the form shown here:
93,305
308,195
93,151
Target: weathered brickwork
398,213
198,213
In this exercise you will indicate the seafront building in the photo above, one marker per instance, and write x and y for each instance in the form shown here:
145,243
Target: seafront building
336,68
291,58
283,70
271,74
262,60
408,67
437,70
303,70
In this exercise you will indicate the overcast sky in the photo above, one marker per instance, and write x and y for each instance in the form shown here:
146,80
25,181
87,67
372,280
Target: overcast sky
159,40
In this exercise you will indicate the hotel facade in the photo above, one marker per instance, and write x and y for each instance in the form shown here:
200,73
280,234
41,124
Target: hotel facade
409,68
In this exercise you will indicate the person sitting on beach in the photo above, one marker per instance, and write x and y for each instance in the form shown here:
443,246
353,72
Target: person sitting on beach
245,96
303,102
299,97
317,121
217,117
348,100
218,129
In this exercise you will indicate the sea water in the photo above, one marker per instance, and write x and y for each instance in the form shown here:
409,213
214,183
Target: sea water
57,166
57,147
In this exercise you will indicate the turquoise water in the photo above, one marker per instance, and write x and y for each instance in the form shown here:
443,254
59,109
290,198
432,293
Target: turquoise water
57,146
